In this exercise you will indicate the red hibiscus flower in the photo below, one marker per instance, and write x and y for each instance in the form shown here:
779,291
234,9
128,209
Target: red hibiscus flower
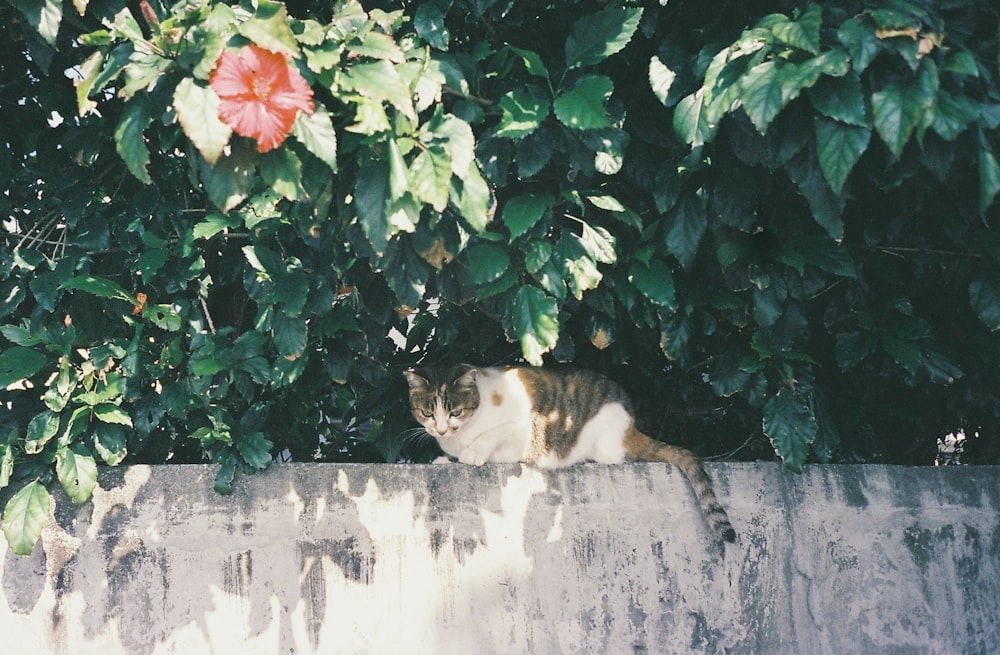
260,94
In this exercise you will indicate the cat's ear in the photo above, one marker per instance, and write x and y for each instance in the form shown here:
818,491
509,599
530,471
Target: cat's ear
467,379
416,381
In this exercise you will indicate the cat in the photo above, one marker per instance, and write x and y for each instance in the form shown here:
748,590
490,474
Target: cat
546,417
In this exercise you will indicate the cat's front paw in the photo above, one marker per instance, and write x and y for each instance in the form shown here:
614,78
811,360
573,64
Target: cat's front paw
472,457
443,459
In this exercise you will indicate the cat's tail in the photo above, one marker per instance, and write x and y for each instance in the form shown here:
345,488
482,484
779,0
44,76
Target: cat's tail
640,447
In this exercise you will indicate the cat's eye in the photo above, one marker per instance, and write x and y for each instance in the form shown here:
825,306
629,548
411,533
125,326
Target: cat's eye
455,413
426,413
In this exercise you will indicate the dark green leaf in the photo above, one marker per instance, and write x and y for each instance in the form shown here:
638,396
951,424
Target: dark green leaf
686,225
521,213
487,263
984,294
24,517
839,147
599,244
802,33
255,449
429,23
791,428
841,99
596,37
19,363
654,281
130,141
989,179
372,190
762,94
289,335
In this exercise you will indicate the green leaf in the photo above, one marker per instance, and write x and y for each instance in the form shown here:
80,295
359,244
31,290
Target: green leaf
726,375
380,81
521,213
228,182
110,443
580,269
532,62
762,94
582,108
691,123
197,109
840,98
24,517
661,79
282,170
18,364
984,295
77,472
536,321
370,198
898,108
255,449
44,16
791,427
487,263
523,110
129,140
596,37
655,282
6,464
839,147
41,429
802,33
475,199
98,286
290,335
315,131
430,175
214,224
989,179
226,459
111,413
599,244
857,35
429,23
268,28
686,224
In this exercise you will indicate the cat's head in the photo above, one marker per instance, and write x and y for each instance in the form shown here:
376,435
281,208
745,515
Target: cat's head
443,398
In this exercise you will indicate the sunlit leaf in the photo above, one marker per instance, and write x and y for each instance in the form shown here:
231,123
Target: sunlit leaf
77,472
536,321
582,108
25,516
197,109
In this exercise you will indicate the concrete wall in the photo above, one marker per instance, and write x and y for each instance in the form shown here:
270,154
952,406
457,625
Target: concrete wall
506,559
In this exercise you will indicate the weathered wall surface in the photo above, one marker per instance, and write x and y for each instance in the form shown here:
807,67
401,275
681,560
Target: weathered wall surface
506,559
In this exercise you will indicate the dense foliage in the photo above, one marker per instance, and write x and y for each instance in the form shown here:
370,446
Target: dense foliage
774,222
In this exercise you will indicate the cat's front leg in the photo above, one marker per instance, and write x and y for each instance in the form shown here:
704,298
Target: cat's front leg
470,455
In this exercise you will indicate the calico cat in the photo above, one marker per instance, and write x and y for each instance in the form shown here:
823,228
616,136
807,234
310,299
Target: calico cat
548,418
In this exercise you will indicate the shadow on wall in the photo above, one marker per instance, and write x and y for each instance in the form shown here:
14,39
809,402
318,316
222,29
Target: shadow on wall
442,559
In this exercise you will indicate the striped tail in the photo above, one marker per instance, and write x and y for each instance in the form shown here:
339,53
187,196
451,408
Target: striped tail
640,447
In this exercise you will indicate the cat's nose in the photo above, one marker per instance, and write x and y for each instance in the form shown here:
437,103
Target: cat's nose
442,428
